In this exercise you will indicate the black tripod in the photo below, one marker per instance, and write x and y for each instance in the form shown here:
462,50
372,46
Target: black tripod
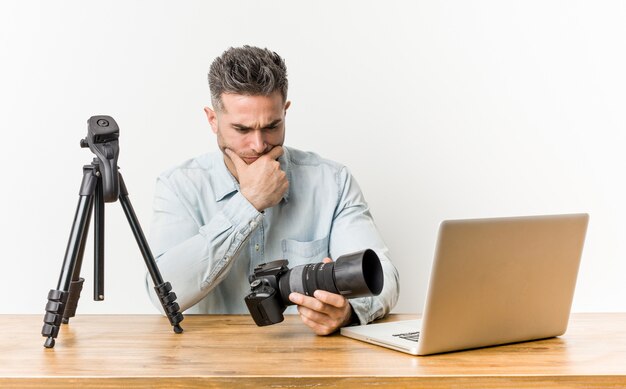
101,183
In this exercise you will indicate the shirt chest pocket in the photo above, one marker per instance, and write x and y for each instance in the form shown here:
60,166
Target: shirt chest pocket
304,252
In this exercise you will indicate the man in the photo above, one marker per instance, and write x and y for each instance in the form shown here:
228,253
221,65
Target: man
218,216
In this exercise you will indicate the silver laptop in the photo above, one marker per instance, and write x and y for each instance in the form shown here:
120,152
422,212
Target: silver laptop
493,281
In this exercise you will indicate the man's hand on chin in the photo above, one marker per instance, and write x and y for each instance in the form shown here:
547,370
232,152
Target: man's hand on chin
262,182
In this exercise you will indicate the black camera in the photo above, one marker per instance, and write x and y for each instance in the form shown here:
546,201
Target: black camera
353,275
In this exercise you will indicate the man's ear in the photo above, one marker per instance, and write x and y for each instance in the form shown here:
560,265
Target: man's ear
287,105
212,117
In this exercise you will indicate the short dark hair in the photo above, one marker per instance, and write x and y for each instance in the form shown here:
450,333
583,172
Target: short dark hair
247,70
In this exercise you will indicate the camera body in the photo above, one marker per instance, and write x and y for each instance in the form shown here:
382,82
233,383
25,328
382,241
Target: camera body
264,302
353,275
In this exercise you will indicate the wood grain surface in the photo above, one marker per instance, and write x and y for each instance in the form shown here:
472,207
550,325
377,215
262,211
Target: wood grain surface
230,350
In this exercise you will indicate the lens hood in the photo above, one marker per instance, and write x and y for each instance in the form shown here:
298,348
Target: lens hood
359,274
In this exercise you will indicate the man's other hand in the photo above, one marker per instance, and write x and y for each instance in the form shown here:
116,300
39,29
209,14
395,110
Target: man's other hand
324,313
262,182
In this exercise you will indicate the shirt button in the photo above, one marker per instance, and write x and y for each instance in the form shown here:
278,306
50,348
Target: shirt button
257,247
253,224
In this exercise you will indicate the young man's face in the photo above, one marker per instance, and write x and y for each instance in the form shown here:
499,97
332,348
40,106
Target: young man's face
249,125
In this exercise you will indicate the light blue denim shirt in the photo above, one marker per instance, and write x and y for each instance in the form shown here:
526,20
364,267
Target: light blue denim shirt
207,238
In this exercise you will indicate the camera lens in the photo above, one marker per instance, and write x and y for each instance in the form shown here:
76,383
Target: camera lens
353,275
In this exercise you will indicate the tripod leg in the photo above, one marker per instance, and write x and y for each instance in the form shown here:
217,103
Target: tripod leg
98,245
76,286
58,298
163,289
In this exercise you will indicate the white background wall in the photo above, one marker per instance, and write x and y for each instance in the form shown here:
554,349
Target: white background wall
441,110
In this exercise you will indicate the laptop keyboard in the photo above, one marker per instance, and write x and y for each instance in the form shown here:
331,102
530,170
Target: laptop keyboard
412,336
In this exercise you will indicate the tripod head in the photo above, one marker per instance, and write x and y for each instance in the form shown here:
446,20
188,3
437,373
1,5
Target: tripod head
102,139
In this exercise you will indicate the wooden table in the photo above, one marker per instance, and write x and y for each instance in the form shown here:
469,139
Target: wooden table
217,351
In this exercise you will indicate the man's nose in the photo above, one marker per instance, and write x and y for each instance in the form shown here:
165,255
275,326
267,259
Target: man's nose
257,142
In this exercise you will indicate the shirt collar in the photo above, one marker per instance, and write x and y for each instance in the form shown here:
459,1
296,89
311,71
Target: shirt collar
224,182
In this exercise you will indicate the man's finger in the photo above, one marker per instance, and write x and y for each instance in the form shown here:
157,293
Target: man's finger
336,300
306,301
312,315
318,328
239,163
275,152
